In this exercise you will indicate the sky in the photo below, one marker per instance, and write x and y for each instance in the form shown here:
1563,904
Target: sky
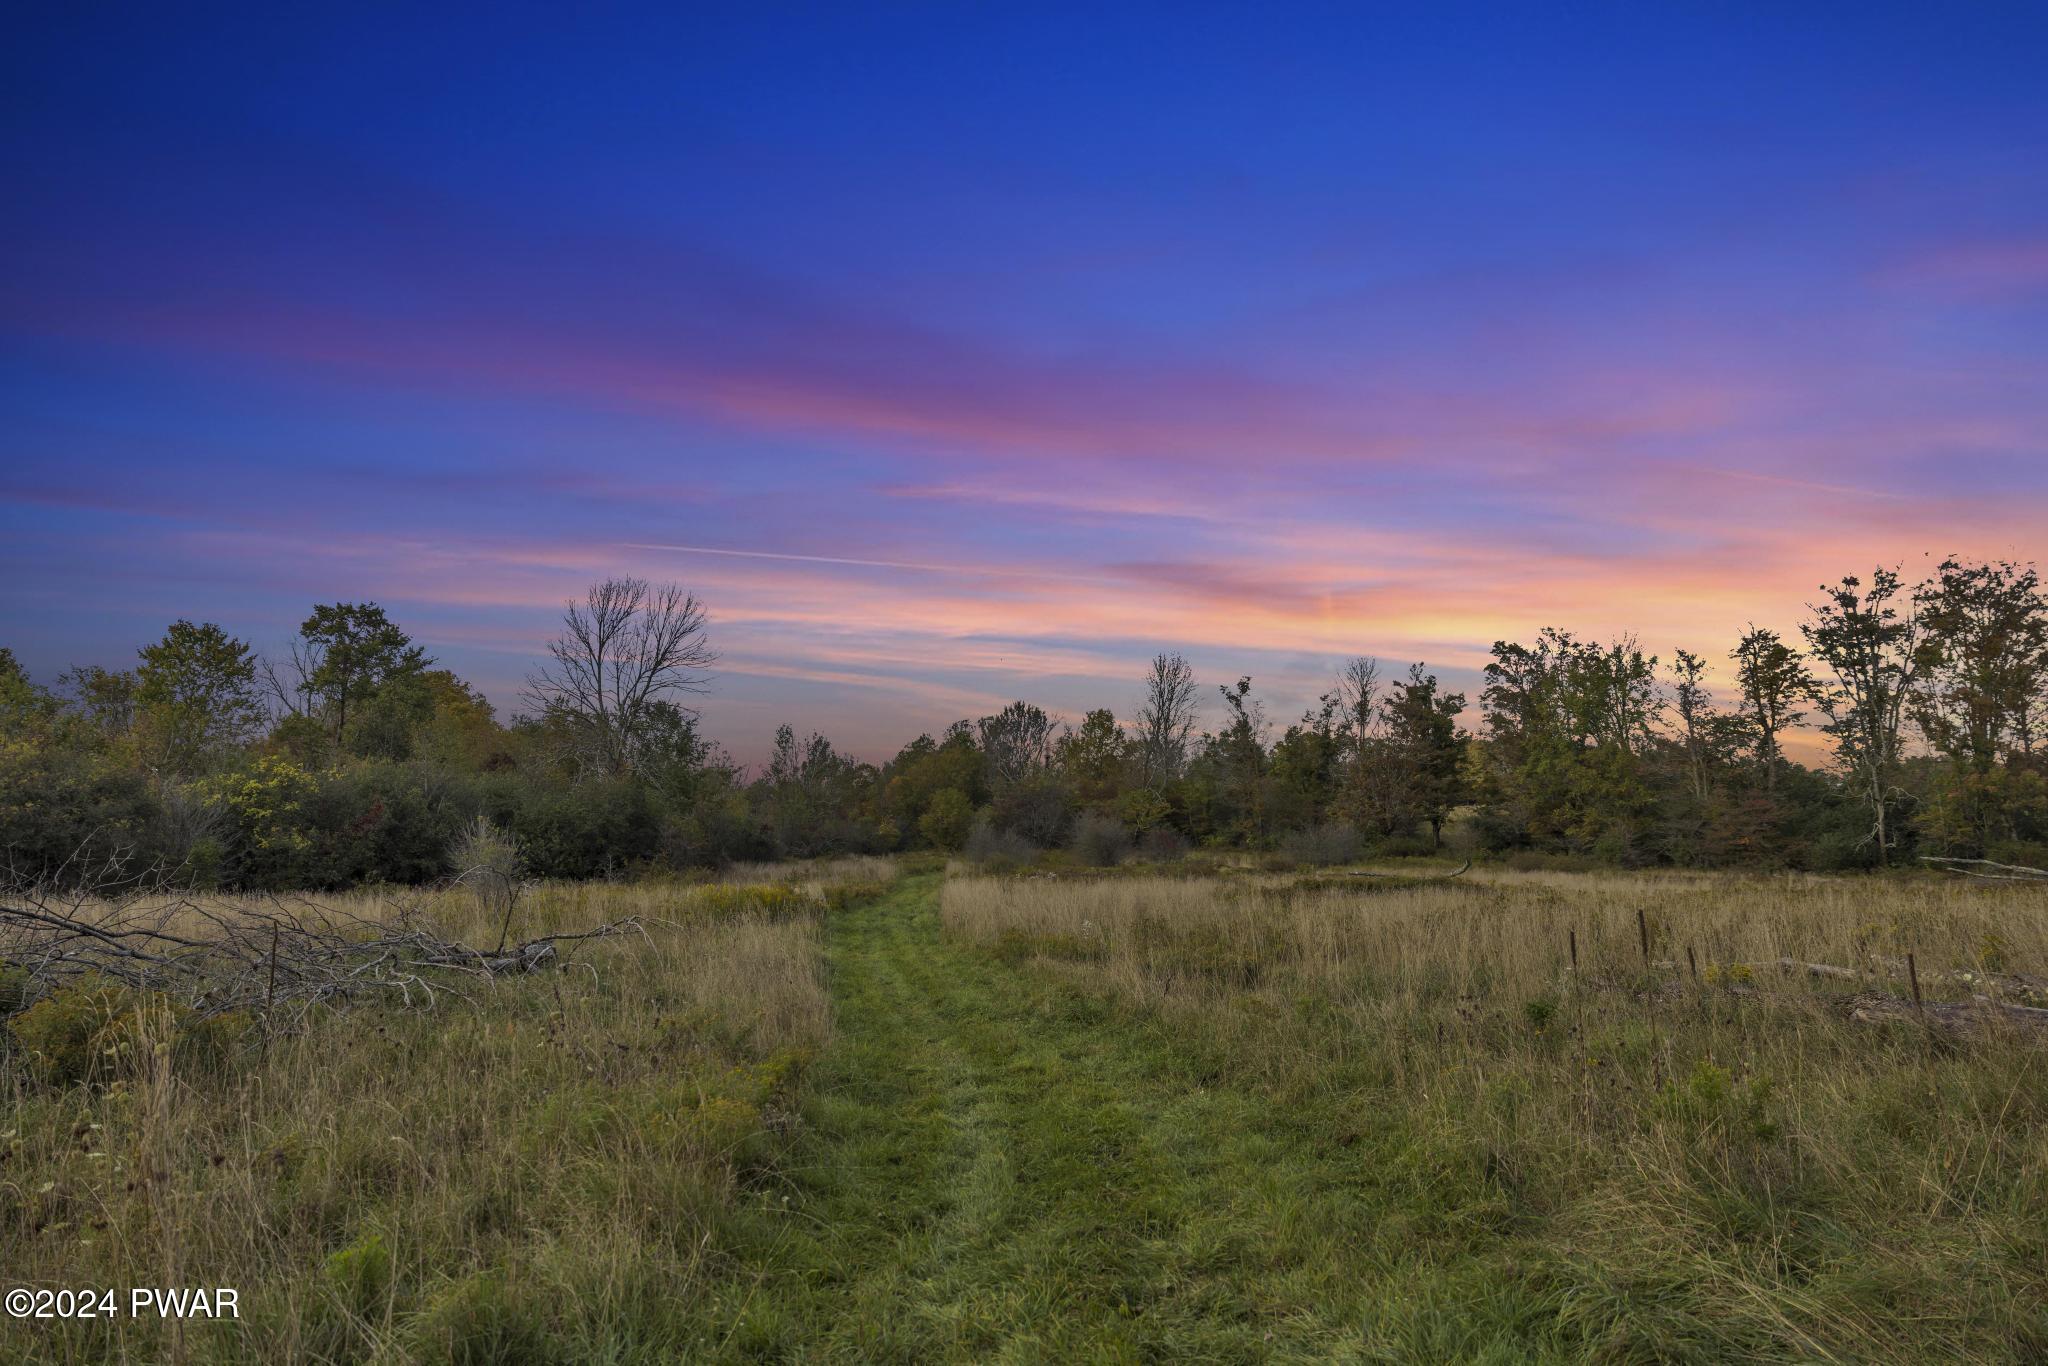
959,353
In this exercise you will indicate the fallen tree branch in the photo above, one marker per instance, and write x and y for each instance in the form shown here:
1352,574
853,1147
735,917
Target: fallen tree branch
275,964
1459,871
1978,1015
2007,872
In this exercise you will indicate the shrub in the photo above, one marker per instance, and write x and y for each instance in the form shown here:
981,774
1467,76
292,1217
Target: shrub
1099,842
93,1026
1322,845
1162,844
948,820
14,988
840,896
998,849
359,1275
487,861
1038,809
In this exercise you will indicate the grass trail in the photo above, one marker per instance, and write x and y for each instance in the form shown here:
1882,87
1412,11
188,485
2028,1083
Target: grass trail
996,1169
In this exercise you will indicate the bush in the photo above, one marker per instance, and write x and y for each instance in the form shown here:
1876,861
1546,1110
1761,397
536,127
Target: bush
94,1026
595,829
14,988
1163,844
947,820
1322,845
1534,861
1406,846
1099,842
70,1033
1039,810
996,848
381,822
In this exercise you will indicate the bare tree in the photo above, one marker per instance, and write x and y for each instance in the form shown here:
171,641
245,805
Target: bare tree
1358,690
626,647
1166,719
1017,742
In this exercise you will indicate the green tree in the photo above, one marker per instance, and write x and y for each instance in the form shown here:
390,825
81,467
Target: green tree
1234,760
1871,651
103,698
196,695
925,768
350,656
1304,767
947,820
1983,679
1773,679
1427,748
1094,758
23,703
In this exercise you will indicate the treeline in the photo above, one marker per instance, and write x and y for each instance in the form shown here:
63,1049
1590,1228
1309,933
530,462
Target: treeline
355,759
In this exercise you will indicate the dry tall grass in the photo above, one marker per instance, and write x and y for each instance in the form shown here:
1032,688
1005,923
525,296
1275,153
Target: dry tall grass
1656,1154
558,1162
1500,934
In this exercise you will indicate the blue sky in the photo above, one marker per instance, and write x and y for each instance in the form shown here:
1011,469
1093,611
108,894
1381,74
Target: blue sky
961,353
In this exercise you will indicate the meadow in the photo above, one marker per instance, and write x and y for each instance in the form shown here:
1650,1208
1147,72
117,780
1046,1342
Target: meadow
1694,1149
546,1164
871,1111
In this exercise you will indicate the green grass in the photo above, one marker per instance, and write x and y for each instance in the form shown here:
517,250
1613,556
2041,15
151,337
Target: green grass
1058,1135
1005,1162
1001,1167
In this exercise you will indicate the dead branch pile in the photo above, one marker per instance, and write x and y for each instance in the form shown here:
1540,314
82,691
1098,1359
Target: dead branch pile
1987,1012
275,961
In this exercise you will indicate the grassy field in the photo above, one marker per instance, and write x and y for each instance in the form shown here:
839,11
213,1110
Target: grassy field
551,1169
1139,1116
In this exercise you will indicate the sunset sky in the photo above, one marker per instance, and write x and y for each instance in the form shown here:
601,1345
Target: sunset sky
962,353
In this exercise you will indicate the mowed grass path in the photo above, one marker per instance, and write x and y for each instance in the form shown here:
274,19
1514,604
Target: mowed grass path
1000,1168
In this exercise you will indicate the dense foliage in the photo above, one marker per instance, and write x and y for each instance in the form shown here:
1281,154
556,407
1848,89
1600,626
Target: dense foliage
358,761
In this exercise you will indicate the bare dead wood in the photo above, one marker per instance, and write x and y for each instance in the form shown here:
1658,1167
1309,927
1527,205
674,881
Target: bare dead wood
1981,1016
1459,871
1976,1016
276,962
2005,872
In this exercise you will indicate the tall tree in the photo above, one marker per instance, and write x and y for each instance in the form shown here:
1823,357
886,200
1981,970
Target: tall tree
105,698
626,647
1695,720
1306,765
1427,748
1983,679
1017,743
1983,661
1238,756
1367,791
1871,652
1166,720
346,656
196,694
1773,679
1093,758
23,702
815,796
